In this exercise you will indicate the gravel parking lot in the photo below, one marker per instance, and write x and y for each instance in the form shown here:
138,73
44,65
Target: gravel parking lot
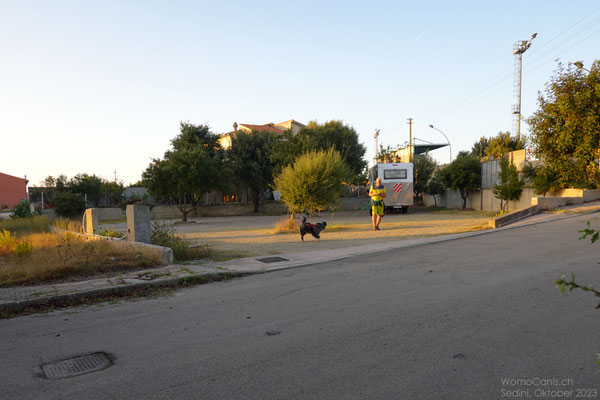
246,236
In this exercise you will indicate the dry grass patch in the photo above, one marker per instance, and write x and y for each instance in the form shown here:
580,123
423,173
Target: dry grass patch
55,257
339,227
286,225
67,224
21,226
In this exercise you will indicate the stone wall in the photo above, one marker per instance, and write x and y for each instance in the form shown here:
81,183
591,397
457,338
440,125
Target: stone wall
106,214
485,200
270,207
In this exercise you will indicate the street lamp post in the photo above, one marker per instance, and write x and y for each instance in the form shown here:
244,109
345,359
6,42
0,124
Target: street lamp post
579,65
449,145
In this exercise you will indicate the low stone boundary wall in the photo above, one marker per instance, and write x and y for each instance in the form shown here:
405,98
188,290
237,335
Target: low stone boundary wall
166,252
550,203
271,207
110,213
514,216
353,203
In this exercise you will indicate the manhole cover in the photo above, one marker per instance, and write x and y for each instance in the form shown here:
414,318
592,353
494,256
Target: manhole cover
268,260
76,366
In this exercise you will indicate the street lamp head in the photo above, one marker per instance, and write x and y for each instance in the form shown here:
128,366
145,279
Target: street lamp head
431,126
578,64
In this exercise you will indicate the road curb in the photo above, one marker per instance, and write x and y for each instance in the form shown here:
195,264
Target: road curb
124,289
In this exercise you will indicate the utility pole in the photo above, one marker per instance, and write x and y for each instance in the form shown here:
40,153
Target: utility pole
376,136
519,48
410,145
115,176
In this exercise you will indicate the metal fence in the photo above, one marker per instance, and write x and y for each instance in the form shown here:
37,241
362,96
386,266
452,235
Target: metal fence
489,173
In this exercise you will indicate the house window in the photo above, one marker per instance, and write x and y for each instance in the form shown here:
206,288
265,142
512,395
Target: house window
231,198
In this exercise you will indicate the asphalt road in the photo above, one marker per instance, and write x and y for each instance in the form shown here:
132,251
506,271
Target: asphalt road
451,320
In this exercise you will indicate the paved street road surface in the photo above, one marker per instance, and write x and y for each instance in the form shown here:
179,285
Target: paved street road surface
476,318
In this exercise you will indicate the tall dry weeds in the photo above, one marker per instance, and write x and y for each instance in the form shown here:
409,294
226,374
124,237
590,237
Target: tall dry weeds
66,256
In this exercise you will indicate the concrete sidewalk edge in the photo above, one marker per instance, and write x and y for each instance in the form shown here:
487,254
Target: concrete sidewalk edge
120,289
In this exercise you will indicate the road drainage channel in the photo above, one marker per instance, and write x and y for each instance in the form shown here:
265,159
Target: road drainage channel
76,366
268,260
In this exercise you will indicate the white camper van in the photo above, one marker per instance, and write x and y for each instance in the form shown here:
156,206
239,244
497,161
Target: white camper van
398,180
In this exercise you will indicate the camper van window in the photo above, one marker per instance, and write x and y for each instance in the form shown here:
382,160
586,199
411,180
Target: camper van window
394,174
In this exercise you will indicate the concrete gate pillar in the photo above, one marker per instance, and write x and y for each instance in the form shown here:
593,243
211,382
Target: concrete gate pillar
138,223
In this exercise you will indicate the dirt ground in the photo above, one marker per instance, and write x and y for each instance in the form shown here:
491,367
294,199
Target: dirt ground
255,235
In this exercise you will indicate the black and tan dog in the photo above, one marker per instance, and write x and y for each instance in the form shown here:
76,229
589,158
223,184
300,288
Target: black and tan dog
313,229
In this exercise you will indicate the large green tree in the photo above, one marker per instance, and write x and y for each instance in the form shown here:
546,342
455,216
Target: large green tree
387,154
251,164
332,134
479,147
90,186
496,146
424,166
463,174
566,127
190,169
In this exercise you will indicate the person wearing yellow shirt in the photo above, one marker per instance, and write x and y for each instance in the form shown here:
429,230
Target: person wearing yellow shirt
377,194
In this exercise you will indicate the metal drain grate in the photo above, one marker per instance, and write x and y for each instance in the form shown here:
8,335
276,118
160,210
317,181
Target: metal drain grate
76,366
269,260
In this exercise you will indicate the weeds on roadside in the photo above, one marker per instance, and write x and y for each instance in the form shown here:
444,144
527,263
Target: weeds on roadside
47,257
163,234
20,226
499,214
9,245
67,224
111,233
286,224
563,283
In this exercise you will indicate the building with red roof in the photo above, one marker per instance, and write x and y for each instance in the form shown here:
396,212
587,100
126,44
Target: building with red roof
277,129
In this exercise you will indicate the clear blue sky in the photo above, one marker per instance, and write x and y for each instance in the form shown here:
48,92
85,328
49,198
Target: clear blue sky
98,86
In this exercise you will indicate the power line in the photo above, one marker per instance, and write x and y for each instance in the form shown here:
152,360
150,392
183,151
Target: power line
500,81
533,65
539,48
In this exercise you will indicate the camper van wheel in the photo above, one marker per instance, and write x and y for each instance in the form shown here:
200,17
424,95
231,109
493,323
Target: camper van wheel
403,210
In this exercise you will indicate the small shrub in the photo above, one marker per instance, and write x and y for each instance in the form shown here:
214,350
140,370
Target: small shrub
8,243
510,186
163,234
313,182
23,248
500,213
23,210
67,204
